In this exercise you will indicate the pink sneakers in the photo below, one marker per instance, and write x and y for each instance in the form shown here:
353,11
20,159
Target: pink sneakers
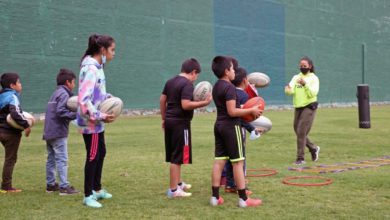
215,202
249,203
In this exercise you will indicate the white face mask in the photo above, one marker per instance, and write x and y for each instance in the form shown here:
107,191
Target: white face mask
104,59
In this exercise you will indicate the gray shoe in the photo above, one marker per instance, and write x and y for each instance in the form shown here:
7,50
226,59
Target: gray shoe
315,155
300,162
69,190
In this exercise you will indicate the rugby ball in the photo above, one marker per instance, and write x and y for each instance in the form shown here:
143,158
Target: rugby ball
112,106
72,103
262,122
255,101
202,90
259,79
27,116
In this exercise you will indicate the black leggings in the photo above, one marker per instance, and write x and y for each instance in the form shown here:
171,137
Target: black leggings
96,151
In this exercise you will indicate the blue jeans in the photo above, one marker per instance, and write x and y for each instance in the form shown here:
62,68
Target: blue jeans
57,157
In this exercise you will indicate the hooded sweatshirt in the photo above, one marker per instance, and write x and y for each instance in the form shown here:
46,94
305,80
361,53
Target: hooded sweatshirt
92,92
304,95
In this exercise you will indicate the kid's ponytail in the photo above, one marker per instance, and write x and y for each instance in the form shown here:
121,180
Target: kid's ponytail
96,42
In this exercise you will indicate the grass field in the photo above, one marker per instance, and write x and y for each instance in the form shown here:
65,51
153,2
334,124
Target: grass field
137,176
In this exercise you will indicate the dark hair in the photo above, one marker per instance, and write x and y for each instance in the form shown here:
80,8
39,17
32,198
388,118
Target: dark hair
241,74
220,64
8,78
65,75
310,63
190,65
234,62
96,42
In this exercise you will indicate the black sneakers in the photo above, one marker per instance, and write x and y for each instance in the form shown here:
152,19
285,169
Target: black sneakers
68,191
52,188
315,154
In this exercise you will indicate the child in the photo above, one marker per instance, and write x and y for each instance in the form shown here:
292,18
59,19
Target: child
92,91
177,110
227,132
241,82
56,132
9,136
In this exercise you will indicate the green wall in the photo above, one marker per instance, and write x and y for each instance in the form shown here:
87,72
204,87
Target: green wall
39,37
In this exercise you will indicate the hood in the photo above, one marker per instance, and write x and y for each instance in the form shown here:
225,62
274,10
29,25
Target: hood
88,60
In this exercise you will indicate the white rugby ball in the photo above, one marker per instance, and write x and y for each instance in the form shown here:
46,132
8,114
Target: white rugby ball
72,103
262,122
202,90
112,106
27,116
259,79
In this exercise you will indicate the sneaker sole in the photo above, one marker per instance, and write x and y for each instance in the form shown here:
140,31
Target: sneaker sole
96,207
11,191
68,194
317,154
246,206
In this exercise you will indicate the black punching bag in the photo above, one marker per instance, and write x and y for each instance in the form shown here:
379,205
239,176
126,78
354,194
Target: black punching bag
364,106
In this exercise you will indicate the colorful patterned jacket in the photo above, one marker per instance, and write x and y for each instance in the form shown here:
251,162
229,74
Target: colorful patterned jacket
92,92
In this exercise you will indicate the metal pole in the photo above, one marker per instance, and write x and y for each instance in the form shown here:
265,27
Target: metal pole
363,96
363,62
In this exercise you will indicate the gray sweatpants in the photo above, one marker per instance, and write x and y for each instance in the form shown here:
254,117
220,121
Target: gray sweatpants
303,120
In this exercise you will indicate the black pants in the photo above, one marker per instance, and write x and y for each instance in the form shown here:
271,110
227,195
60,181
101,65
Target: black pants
96,151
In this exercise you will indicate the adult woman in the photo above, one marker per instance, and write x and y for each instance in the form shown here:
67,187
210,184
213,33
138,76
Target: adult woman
304,88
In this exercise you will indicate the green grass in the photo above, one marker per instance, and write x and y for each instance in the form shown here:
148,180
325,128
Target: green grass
136,174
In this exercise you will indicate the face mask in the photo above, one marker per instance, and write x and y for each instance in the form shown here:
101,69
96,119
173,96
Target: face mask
304,70
104,59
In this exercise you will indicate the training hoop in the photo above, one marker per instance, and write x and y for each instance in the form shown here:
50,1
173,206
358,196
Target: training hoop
253,171
326,182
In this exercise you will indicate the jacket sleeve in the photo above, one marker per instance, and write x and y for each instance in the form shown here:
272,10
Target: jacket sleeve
291,91
17,115
61,108
86,89
312,87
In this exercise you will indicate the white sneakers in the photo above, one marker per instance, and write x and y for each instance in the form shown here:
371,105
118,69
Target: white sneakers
254,135
184,186
178,193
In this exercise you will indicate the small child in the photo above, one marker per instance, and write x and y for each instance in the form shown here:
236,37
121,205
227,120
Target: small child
56,132
9,136
227,132
241,83
177,109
